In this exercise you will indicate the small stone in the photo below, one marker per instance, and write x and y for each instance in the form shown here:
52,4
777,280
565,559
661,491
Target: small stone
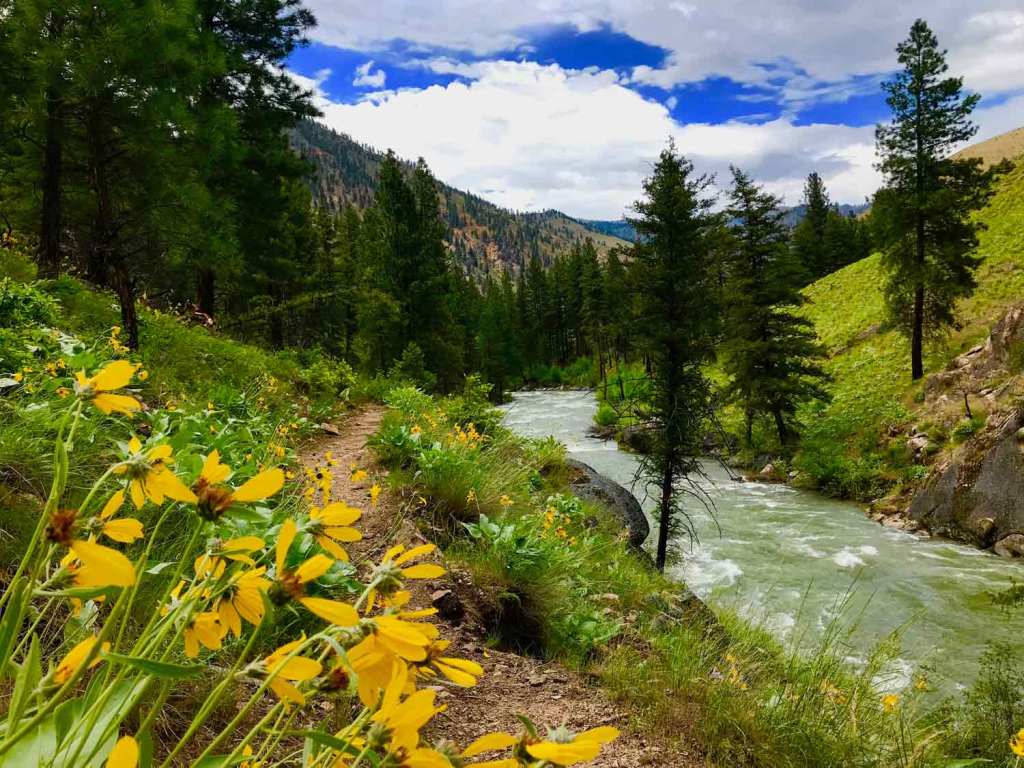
1010,546
609,597
330,429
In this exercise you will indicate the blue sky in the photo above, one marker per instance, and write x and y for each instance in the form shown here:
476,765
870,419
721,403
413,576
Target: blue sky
553,103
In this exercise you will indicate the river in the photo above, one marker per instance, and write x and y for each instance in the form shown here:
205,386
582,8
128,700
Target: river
784,558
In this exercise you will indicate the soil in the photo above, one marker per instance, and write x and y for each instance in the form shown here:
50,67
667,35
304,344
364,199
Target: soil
546,692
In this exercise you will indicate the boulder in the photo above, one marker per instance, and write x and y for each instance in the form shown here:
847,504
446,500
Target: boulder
1010,546
977,495
636,438
590,485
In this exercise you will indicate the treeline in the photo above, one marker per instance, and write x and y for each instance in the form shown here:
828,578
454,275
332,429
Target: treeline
143,146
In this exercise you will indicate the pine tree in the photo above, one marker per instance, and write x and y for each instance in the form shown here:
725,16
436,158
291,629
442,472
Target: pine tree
770,353
922,218
675,326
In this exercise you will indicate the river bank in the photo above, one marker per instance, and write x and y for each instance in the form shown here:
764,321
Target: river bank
793,560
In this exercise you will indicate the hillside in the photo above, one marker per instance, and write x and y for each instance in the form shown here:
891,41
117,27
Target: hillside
483,237
858,445
1005,145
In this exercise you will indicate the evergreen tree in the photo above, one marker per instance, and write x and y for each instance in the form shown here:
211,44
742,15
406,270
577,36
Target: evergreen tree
825,240
922,217
675,326
770,353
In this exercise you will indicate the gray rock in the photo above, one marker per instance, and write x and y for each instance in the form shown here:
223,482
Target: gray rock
590,485
978,495
1010,546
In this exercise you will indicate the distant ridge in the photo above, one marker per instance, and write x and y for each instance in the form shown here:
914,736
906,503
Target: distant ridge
1005,146
483,237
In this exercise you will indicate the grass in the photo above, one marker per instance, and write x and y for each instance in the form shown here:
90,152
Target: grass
556,578
846,450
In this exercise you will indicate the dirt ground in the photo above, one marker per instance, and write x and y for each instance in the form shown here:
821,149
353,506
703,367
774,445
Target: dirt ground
546,692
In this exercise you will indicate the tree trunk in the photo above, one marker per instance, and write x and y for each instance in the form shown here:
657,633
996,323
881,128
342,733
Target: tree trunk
50,224
749,422
665,514
206,283
780,425
916,336
125,288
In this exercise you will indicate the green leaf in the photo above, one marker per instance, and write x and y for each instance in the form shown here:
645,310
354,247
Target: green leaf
88,593
25,683
157,668
10,622
325,739
965,763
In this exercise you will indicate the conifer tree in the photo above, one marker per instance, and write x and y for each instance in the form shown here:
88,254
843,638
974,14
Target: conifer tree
675,327
922,217
770,353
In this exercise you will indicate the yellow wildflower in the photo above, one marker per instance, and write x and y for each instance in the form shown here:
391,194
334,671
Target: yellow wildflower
460,671
124,530
243,600
149,475
890,701
403,719
562,747
75,658
330,526
374,493
203,629
98,566
125,754
1017,743
98,388
291,584
358,476
505,500
285,671
213,498
491,742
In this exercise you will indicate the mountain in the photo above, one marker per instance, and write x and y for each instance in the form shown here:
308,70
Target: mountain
621,229
795,215
1005,146
483,237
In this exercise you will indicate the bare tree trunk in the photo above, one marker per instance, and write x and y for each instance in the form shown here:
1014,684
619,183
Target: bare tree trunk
51,219
780,425
665,515
917,336
206,294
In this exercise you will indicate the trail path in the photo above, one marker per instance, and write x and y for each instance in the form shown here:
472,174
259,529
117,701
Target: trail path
546,692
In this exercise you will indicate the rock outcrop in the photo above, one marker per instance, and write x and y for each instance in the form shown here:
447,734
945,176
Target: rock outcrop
977,494
589,484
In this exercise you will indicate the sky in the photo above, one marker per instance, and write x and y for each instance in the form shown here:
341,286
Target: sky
565,104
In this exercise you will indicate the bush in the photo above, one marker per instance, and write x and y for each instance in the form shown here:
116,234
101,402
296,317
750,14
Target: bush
412,366
606,416
327,379
967,427
23,305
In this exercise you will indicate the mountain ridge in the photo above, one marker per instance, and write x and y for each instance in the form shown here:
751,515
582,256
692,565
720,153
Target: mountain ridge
483,237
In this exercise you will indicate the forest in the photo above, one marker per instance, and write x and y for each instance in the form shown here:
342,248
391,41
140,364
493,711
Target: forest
252,476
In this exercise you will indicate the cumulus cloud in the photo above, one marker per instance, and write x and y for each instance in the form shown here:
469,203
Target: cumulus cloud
366,77
530,136
828,42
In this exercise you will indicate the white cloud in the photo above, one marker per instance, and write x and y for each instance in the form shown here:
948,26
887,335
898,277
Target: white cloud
830,40
530,137
367,78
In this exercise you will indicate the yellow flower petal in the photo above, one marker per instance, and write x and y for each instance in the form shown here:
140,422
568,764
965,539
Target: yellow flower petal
125,754
333,611
263,486
116,403
137,493
314,568
229,617
125,529
113,504
333,547
102,566
423,571
114,376
460,671
171,486
286,691
338,513
213,471
415,552
298,668
284,543
489,743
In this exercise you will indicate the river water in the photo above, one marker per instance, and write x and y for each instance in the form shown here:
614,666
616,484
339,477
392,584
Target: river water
785,558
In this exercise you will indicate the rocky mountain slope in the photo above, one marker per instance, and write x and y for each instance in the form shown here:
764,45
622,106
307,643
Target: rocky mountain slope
934,449
483,237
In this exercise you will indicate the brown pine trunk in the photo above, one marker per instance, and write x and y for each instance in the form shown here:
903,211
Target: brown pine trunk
665,515
125,288
50,224
780,426
206,293
916,336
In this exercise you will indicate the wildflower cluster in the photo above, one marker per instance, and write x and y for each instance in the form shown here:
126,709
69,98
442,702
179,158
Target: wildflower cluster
561,515
241,562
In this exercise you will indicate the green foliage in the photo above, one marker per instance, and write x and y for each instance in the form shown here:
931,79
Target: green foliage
991,711
825,240
606,416
411,366
24,305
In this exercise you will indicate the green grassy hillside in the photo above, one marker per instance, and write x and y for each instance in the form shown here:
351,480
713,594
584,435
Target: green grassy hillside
855,446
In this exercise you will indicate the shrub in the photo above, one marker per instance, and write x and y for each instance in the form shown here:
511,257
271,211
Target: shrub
23,305
327,379
412,366
606,416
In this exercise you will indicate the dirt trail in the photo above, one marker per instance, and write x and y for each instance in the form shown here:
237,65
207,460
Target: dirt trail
546,692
